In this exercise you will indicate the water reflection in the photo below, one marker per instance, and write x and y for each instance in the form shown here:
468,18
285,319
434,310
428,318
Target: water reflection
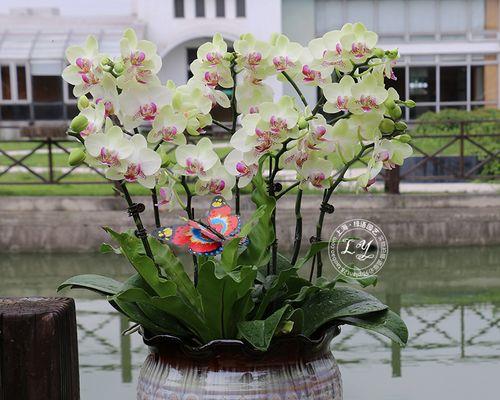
450,299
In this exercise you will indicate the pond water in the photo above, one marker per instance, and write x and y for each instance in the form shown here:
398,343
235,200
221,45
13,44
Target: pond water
450,299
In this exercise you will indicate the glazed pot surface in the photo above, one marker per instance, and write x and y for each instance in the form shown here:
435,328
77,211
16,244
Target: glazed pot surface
293,369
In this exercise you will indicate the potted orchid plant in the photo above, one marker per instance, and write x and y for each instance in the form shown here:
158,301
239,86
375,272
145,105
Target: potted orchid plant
249,323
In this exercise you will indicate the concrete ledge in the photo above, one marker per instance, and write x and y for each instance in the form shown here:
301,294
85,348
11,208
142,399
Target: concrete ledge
54,224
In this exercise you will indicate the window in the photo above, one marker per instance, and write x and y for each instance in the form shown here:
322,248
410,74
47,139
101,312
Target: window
453,83
423,84
220,8
179,8
47,97
5,78
22,94
200,8
477,83
240,8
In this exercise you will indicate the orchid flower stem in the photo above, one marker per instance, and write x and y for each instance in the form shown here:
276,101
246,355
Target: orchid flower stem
326,197
138,223
237,197
291,187
298,227
234,105
190,213
154,198
221,125
319,104
294,85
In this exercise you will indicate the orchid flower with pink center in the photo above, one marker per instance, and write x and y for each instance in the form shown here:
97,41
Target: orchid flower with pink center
253,55
251,93
281,116
357,42
338,95
140,105
110,148
141,166
84,71
218,182
95,117
285,55
316,171
368,94
140,60
107,94
241,165
168,126
196,160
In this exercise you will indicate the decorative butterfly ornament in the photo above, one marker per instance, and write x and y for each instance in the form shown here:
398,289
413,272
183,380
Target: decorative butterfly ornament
206,236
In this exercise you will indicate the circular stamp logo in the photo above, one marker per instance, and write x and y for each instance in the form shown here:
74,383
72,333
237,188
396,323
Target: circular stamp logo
358,248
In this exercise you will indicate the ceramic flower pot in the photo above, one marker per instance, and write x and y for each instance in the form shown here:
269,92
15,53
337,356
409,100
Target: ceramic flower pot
295,368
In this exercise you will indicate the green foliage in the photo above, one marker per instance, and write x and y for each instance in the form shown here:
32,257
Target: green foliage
235,296
447,122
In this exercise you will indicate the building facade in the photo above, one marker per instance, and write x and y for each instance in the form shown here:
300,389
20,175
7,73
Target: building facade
449,48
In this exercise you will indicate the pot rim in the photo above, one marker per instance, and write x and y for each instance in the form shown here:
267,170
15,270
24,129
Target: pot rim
319,340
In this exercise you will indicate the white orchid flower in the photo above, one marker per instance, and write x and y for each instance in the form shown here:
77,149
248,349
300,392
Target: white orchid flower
141,166
366,126
84,71
338,95
196,160
217,182
107,94
345,140
168,126
110,148
140,61
368,95
253,55
281,116
241,165
251,93
358,42
95,117
317,172
140,104
285,55
391,153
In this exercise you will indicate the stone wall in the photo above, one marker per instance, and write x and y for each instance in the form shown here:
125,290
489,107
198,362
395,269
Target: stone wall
65,224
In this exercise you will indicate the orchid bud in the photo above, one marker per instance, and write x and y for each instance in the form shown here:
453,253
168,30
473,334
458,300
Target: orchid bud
118,68
106,61
76,156
287,327
83,102
79,123
401,126
409,103
405,138
396,112
387,126
378,52
229,56
390,104
303,124
392,54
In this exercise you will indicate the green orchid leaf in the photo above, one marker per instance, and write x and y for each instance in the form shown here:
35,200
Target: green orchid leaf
261,236
107,248
133,249
135,314
97,283
174,270
314,249
328,305
226,297
274,289
387,323
259,333
171,304
363,282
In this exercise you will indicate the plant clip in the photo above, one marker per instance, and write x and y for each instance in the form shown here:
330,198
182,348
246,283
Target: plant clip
278,187
141,233
327,208
314,239
136,209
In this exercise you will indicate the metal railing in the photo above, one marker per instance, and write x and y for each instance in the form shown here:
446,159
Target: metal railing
16,159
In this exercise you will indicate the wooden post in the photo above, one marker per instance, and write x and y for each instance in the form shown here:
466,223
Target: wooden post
392,180
38,349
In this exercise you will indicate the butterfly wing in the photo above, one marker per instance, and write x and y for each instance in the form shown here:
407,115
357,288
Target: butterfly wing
221,219
189,235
